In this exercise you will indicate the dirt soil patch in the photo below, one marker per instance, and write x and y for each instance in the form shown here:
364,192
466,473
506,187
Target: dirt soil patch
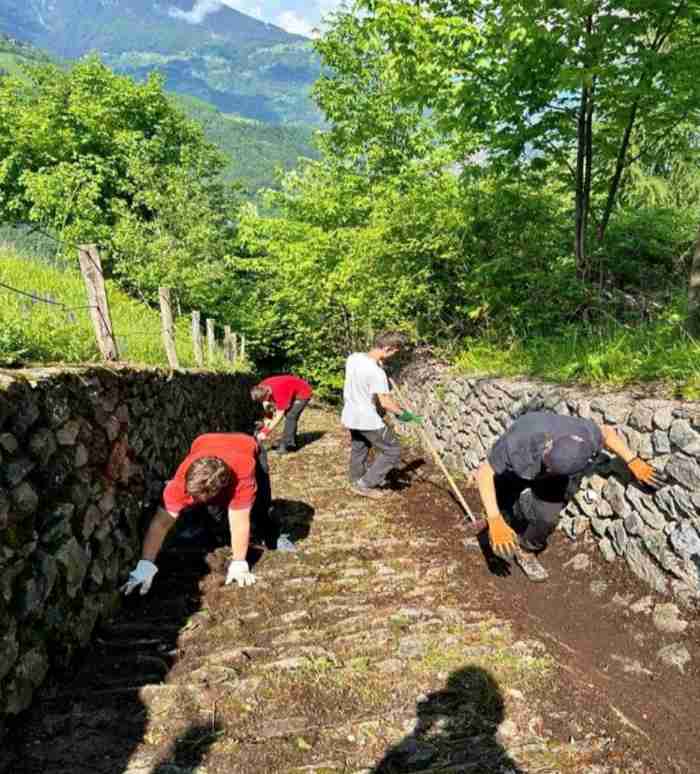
385,644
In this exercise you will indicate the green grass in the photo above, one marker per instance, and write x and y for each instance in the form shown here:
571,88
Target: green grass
614,357
36,332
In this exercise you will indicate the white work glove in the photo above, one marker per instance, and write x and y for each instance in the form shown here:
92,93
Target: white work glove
239,571
142,575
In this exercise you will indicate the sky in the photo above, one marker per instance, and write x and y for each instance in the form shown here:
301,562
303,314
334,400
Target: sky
297,16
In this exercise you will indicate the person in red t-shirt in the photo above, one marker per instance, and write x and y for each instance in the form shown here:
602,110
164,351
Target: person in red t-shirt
226,469
287,395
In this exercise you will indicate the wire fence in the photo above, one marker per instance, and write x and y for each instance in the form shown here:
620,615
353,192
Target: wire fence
44,318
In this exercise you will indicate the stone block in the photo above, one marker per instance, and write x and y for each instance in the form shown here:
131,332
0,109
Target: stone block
642,419
67,435
644,567
607,550
8,442
24,499
663,417
684,470
661,442
74,562
618,537
614,494
17,470
42,445
683,437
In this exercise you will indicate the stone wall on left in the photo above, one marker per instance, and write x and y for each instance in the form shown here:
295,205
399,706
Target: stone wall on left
84,454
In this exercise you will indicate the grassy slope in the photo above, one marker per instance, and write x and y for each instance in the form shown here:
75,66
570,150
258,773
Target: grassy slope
658,351
35,331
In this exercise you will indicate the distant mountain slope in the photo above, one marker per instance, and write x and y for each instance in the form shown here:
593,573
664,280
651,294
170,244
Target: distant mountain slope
256,149
237,63
14,53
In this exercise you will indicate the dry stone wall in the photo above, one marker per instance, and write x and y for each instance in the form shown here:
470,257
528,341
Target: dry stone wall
657,535
84,454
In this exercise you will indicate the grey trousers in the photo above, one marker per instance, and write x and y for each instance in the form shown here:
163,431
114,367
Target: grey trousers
387,455
538,519
291,420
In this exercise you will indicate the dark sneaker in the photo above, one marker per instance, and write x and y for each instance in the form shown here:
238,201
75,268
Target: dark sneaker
359,488
531,566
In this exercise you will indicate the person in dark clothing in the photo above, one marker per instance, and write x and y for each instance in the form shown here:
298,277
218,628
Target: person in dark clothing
541,452
287,395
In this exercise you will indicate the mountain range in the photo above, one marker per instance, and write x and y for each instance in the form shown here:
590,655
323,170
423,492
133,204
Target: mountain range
203,48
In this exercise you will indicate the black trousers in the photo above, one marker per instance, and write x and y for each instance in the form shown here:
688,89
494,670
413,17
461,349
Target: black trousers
291,420
262,525
535,522
387,455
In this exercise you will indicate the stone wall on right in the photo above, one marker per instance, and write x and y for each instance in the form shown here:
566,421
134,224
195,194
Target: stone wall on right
656,534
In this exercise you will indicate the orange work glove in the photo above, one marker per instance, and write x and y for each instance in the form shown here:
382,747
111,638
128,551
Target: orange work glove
502,539
646,474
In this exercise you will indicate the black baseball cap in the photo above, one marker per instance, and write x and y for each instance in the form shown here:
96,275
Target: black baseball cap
569,455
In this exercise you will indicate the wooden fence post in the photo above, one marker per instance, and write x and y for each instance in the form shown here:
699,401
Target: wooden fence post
166,316
197,340
234,346
91,268
242,345
228,350
211,341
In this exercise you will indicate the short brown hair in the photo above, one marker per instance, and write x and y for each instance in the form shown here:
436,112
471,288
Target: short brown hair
390,340
260,392
206,477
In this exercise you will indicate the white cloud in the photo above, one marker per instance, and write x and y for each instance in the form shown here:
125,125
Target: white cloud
292,22
200,10
298,17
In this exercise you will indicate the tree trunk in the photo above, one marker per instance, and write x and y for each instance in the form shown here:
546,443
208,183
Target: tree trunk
693,322
580,238
619,168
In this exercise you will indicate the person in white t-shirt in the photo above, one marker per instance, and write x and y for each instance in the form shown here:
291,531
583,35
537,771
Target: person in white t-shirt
366,385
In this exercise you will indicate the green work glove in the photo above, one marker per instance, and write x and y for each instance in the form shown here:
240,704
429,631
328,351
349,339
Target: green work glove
409,416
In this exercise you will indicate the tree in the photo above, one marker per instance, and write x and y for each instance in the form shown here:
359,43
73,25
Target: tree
694,291
547,86
88,155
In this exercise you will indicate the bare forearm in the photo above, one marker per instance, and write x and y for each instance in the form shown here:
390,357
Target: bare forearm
276,419
159,527
487,490
616,445
239,524
388,403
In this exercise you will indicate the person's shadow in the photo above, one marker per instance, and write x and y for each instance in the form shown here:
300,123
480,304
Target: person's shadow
306,439
455,726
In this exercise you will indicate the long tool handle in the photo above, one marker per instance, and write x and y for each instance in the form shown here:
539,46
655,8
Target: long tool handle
441,464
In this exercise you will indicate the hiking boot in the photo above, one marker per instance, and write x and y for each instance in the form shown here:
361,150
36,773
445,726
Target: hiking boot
358,487
531,566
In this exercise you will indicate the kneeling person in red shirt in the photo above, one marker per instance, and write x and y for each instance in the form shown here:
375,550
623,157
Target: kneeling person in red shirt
289,395
225,469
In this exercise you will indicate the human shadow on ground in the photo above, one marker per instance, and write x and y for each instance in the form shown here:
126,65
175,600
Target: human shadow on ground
306,439
402,478
293,517
454,727
189,749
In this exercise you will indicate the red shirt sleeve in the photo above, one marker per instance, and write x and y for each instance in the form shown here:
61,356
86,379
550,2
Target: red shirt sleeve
175,498
243,495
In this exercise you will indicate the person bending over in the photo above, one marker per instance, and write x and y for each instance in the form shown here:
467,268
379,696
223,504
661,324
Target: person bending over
542,451
221,469
287,395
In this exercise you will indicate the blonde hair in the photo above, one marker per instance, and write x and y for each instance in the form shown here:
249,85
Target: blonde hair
206,477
